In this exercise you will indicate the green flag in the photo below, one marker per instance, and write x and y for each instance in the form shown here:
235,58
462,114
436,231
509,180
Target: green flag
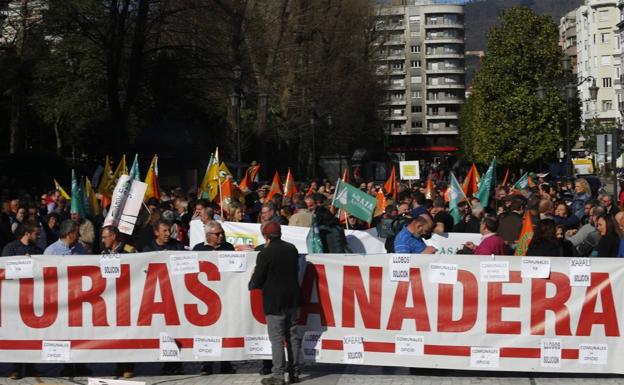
77,200
523,182
354,201
456,195
485,186
134,170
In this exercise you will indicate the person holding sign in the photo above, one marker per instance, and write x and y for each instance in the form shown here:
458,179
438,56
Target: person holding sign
276,274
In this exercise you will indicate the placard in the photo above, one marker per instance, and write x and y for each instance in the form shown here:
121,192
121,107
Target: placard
55,351
353,349
484,357
580,272
311,345
18,268
550,353
232,261
409,345
443,273
593,354
399,267
409,170
494,271
207,346
535,267
110,265
168,348
186,263
258,344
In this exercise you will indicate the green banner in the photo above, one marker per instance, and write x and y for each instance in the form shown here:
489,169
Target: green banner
354,201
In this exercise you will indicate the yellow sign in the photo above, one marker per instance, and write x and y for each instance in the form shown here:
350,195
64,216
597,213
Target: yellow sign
410,170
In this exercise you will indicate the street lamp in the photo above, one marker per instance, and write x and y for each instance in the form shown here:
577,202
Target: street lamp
568,89
237,100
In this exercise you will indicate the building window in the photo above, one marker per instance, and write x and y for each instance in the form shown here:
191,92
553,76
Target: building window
603,15
416,109
605,60
607,105
417,124
397,66
606,82
604,38
416,94
415,49
416,79
415,63
398,96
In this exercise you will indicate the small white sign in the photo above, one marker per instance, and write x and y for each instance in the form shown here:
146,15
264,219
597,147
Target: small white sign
353,349
484,357
207,346
168,348
232,261
186,263
494,271
110,266
55,351
258,345
535,267
399,267
409,170
580,272
18,268
311,346
442,273
593,354
550,353
107,381
409,345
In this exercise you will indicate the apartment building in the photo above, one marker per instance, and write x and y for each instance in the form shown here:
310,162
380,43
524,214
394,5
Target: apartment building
421,66
567,37
599,50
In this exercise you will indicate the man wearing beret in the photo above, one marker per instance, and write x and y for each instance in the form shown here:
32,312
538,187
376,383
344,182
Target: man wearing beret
276,274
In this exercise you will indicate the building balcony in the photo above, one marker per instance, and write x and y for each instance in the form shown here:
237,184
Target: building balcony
394,87
454,25
445,86
393,102
394,42
443,55
443,116
447,70
394,57
445,101
444,39
397,71
394,117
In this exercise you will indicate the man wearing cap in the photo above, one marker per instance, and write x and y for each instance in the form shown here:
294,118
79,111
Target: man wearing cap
276,274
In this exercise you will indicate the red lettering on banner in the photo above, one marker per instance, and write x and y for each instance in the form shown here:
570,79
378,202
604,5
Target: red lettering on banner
497,301
418,312
353,287
557,304
50,300
600,283
76,296
205,294
470,304
158,274
122,289
257,305
316,278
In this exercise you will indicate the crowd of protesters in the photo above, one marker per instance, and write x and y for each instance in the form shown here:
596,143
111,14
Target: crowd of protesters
568,217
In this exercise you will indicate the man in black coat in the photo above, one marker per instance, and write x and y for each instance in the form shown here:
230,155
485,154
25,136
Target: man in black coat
276,274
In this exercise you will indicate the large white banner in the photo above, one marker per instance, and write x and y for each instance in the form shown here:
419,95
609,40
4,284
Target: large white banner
447,311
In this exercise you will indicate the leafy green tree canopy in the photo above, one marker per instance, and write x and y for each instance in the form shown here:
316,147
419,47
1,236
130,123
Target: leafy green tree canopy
504,116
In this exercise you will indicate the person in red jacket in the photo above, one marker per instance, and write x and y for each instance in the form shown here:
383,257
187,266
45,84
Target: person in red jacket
491,243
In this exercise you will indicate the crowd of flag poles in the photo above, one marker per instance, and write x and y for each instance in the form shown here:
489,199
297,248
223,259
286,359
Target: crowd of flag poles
218,186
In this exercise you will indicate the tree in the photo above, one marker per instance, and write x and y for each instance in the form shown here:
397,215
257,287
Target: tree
504,117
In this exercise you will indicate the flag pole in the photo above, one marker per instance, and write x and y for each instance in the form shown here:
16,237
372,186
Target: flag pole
221,199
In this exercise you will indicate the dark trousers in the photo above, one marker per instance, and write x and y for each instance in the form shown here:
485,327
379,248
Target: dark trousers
284,327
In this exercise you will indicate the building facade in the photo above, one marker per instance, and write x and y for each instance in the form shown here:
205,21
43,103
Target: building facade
421,67
598,50
567,38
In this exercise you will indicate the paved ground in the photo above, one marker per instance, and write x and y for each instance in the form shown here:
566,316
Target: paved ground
326,374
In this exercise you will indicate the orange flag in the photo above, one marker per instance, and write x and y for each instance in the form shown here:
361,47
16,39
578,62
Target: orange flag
530,182
311,190
151,179
390,187
526,234
276,186
345,175
506,178
290,187
381,203
229,193
429,188
470,185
